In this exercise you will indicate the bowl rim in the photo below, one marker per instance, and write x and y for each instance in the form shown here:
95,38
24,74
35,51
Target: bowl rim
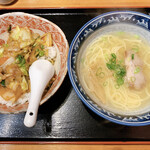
88,104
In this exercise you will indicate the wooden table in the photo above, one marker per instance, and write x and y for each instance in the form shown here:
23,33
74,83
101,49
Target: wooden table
74,147
77,3
27,4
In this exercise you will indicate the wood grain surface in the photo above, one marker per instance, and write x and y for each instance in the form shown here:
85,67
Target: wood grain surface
77,3
74,147
74,4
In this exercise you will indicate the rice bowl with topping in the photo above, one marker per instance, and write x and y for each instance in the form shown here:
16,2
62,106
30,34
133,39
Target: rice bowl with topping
25,38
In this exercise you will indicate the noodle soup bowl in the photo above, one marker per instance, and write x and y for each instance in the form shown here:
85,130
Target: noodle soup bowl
128,21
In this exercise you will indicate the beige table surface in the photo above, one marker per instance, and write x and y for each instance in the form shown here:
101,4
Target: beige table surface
27,4
77,3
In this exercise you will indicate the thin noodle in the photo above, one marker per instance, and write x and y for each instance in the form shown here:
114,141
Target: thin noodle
96,54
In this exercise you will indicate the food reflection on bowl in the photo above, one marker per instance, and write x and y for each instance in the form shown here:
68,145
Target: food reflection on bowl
25,38
108,65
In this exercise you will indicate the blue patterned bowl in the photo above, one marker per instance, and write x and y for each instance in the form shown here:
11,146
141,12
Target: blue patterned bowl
125,20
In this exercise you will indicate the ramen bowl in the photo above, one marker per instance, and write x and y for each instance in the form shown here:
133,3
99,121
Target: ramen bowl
127,21
42,26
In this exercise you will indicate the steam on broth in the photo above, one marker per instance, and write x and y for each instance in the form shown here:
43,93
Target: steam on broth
111,74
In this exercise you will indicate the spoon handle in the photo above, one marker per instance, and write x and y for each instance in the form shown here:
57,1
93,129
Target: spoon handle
40,73
31,114
36,95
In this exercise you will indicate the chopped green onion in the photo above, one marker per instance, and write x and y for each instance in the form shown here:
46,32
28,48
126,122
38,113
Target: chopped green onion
42,46
101,75
110,66
135,48
113,60
98,71
19,59
105,83
37,50
137,70
41,53
120,81
123,72
132,56
22,62
119,70
5,45
2,83
113,55
132,79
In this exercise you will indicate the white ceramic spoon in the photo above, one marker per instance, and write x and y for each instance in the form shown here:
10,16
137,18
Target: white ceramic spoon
40,73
